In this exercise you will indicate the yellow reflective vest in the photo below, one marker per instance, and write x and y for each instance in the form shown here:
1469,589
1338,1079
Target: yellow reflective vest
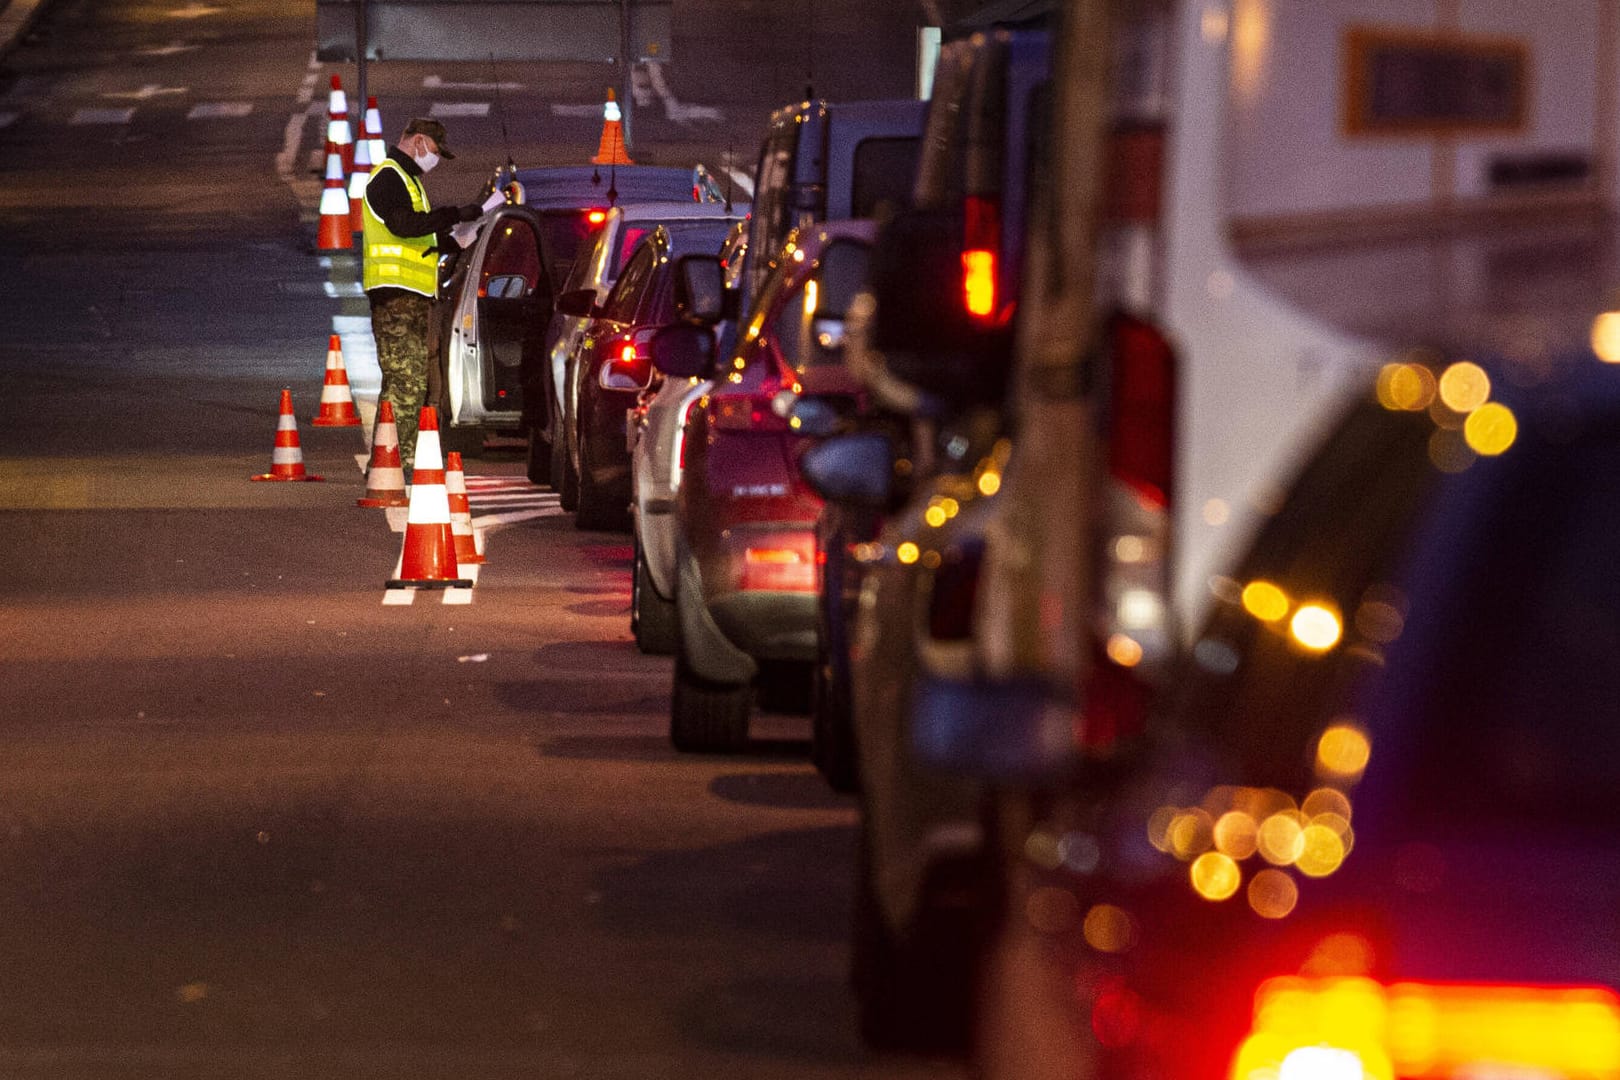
398,262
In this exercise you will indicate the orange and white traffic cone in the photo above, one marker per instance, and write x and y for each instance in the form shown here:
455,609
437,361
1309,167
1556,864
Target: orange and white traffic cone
455,485
337,403
287,459
373,136
358,179
338,131
428,559
385,477
335,234
610,150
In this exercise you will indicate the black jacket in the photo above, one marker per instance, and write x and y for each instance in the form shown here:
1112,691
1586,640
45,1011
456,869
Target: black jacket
391,201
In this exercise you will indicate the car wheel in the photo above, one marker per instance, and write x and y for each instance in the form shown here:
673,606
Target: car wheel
832,734
652,618
706,717
564,480
784,686
538,466
596,508
915,991
466,441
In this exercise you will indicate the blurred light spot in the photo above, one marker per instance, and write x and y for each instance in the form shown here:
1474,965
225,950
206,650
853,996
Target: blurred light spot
1217,512
1109,929
1158,828
1268,498
1339,954
1464,387
1323,1063
931,560
1191,833
1339,825
1220,284
1281,838
262,837
1080,853
191,993
989,482
1225,589
1215,876
1449,452
935,516
1379,621
1140,609
1236,834
1273,894
1343,750
1405,387
1606,337
1042,849
1265,601
1215,656
1124,650
1130,549
1213,24
950,506
1321,851
1052,910
907,552
1491,429
1326,800
1316,627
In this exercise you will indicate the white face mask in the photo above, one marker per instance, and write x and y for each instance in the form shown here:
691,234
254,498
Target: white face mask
426,161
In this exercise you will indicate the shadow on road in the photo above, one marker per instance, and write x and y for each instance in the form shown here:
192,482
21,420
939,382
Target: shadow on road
779,790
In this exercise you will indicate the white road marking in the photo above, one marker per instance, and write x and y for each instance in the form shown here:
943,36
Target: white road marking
337,290
578,111
194,11
8,118
433,82
399,597
290,138
306,89
148,92
495,521
742,180
445,109
673,108
102,116
172,49
220,110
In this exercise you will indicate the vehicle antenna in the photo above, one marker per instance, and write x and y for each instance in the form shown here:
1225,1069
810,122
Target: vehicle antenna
810,51
500,113
731,163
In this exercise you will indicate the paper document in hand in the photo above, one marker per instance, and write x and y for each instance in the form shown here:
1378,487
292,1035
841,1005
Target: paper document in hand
496,199
465,233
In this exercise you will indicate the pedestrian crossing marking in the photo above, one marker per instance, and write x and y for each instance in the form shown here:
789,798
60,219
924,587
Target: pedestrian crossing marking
220,110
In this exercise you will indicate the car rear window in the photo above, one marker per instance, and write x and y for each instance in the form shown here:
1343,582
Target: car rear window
884,171
565,232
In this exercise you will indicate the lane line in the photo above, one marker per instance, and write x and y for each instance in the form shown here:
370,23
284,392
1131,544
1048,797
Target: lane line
434,82
220,110
102,116
442,110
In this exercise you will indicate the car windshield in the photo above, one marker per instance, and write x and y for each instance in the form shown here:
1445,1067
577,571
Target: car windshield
1489,704
701,234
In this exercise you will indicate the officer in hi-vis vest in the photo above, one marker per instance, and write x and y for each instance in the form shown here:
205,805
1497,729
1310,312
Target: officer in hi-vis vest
403,237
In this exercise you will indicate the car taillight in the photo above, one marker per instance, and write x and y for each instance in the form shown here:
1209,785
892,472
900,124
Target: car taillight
780,565
1133,619
981,243
628,365
1359,1029
744,412
596,217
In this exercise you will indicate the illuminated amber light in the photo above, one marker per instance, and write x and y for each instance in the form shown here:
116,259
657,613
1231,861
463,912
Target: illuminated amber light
1606,337
1405,387
1124,650
1281,838
1316,627
979,282
908,552
812,292
1273,894
950,506
1215,876
1323,1028
989,482
1343,751
1236,834
1321,851
1491,429
935,516
1464,387
1326,800
1109,929
1131,549
1191,833
1265,601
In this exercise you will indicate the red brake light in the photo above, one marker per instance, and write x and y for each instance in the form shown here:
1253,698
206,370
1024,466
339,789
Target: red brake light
596,217
780,565
1141,443
981,241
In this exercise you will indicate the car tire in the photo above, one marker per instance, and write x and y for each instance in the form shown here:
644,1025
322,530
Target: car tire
466,441
538,465
706,717
832,733
784,686
652,618
916,992
564,480
595,509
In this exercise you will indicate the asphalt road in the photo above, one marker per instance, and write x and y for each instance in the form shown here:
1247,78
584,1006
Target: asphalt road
253,822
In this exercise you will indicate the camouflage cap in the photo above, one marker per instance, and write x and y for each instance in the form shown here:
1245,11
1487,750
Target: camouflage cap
433,130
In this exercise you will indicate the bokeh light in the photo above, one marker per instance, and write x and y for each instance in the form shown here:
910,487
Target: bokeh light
1215,876
1109,929
1464,387
1265,601
1316,627
1273,894
1343,751
1491,429
1281,838
1236,834
1321,851
1606,337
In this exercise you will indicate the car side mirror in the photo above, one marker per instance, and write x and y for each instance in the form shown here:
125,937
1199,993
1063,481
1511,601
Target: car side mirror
683,351
700,288
856,469
580,303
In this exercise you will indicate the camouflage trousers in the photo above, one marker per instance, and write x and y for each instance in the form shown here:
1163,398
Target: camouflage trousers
399,322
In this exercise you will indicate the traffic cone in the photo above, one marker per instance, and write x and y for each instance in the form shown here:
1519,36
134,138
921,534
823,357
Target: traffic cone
428,559
385,478
610,151
373,136
335,234
358,179
337,124
337,403
455,485
287,459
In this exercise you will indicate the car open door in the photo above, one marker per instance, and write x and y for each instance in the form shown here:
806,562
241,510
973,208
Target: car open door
504,303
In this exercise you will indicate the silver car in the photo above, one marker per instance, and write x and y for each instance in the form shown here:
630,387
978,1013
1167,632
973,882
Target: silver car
657,453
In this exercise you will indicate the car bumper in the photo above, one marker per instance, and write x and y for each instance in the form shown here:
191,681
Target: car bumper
768,625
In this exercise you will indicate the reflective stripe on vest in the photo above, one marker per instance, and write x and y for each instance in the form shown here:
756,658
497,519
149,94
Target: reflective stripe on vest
399,262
